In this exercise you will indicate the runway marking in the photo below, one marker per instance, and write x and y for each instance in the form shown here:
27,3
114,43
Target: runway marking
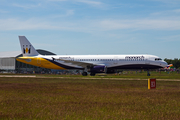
18,76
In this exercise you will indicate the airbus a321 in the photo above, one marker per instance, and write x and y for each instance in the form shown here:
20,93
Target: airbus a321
88,63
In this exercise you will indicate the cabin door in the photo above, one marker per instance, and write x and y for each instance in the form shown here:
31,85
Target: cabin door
115,60
147,60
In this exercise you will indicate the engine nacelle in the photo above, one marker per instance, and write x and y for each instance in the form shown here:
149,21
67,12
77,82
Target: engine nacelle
97,69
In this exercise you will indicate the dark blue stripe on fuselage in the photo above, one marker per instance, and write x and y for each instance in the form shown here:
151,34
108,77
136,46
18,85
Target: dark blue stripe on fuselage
136,66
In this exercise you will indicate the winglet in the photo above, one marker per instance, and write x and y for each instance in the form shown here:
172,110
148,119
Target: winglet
26,47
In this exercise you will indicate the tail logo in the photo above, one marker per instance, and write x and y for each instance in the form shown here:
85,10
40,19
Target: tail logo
27,49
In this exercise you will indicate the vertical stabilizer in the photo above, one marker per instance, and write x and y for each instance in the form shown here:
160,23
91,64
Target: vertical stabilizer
26,47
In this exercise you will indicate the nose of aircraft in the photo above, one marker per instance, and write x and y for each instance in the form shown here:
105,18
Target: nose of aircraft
164,64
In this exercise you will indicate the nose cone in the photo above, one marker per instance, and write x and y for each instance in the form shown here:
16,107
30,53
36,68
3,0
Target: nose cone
164,64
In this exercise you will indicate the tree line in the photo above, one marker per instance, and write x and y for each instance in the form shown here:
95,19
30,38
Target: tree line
175,62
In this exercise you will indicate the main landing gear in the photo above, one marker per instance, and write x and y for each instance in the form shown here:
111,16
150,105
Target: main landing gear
91,74
84,74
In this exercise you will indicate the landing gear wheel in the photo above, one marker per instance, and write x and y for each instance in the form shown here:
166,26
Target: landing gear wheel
92,74
84,74
148,74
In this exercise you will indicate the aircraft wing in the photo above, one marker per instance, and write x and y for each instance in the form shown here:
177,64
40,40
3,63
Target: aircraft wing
80,63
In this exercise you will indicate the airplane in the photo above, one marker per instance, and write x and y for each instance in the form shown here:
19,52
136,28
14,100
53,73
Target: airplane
92,64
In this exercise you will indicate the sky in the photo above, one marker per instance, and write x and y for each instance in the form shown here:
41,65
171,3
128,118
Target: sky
93,27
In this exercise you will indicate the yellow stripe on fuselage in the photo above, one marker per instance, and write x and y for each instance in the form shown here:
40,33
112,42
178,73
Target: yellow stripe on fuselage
38,61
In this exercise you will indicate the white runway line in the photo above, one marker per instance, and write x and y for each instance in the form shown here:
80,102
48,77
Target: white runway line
18,76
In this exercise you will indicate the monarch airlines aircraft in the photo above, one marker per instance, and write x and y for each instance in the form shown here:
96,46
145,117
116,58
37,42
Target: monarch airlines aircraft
88,63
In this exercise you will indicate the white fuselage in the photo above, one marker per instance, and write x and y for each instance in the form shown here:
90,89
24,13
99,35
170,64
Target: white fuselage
110,61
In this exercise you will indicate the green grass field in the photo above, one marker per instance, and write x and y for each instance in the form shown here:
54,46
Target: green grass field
126,74
90,99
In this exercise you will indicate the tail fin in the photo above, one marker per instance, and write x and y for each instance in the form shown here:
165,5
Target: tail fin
26,47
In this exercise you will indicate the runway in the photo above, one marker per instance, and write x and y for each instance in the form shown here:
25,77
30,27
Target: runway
102,78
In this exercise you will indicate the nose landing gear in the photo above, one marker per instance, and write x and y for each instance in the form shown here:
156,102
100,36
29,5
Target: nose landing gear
148,74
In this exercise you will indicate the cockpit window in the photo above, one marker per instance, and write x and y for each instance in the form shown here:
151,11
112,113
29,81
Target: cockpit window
158,59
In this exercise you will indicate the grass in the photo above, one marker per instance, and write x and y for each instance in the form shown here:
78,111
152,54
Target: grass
124,74
67,99
127,74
